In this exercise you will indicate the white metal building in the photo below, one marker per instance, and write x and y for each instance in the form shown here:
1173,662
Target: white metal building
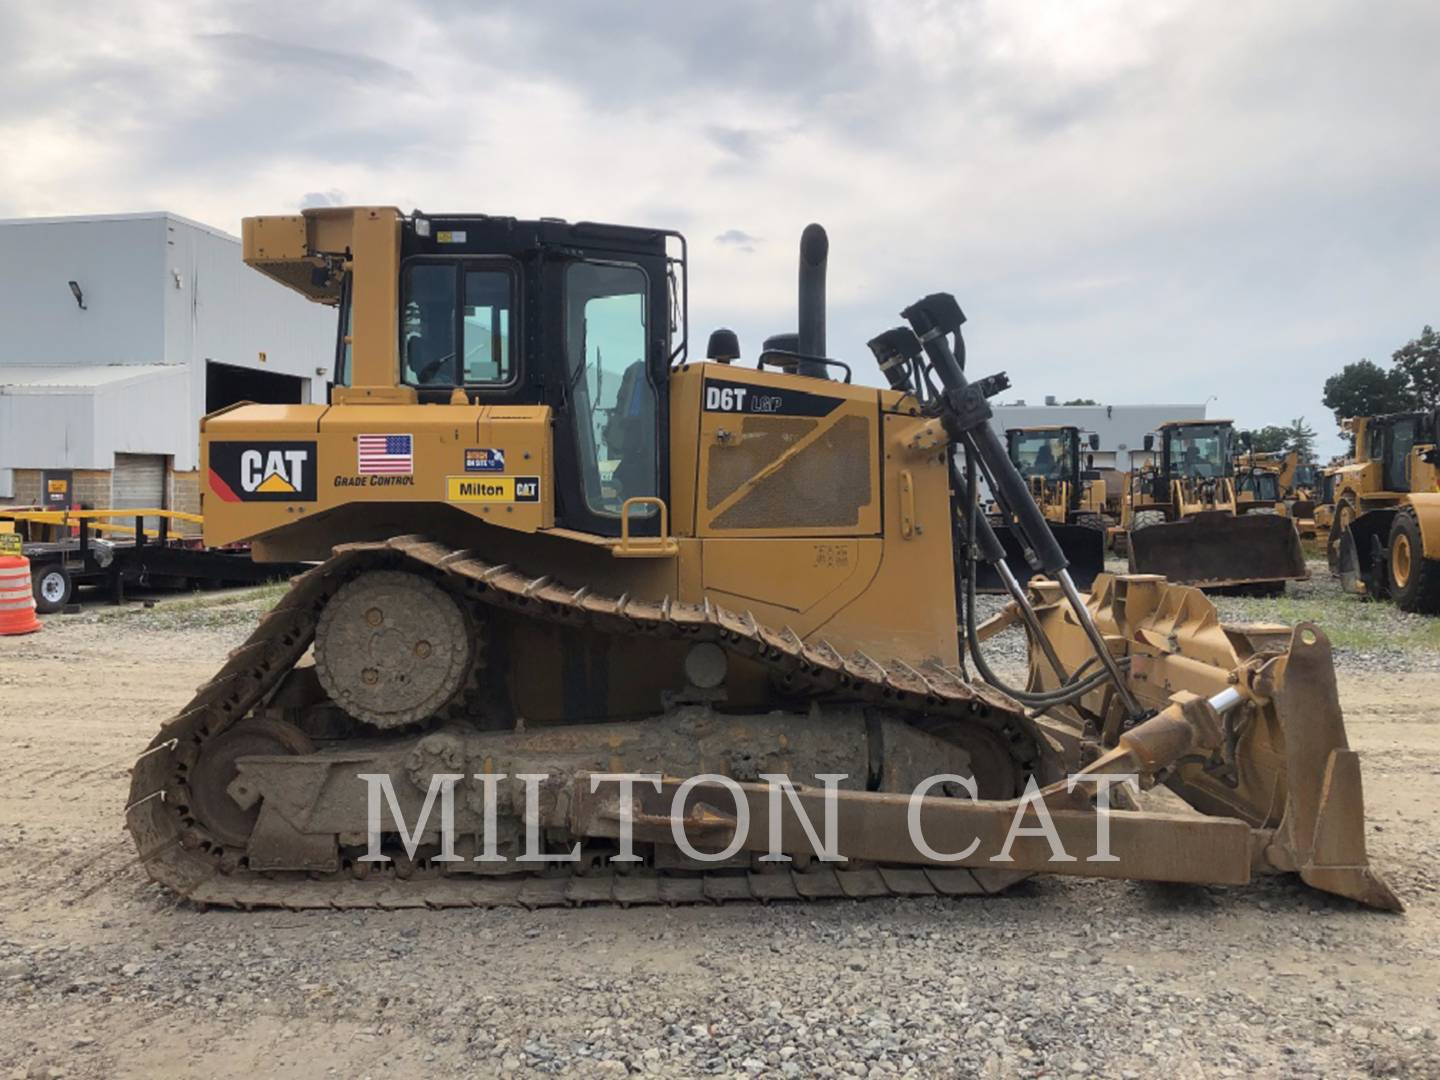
117,333
1122,428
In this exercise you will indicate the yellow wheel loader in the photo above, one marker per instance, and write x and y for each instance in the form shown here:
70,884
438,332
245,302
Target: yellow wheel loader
1281,481
1385,528
1184,519
1070,496
600,622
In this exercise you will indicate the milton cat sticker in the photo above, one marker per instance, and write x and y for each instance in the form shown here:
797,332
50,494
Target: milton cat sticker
499,489
263,471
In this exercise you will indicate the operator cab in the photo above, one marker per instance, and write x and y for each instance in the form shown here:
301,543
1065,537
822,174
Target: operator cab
1261,485
585,318
1047,453
1196,451
1390,440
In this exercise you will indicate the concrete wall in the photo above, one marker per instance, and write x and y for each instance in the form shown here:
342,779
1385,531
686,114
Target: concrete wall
91,487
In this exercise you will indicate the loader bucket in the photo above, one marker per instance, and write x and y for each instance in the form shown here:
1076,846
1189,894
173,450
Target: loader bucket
1219,549
1364,554
1083,546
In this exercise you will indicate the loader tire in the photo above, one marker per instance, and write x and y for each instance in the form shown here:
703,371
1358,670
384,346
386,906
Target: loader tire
1265,510
1414,579
1091,521
1143,519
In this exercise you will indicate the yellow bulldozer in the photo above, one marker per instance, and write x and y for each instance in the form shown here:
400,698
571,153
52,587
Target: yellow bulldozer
1183,518
598,621
1384,538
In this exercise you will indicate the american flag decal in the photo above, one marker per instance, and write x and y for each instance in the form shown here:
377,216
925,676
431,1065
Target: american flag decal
387,455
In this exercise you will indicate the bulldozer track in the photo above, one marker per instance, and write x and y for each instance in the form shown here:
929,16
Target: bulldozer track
178,852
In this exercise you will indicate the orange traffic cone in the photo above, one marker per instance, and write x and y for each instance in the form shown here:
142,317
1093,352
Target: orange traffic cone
17,596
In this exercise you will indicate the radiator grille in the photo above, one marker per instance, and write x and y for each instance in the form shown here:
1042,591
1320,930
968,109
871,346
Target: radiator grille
823,485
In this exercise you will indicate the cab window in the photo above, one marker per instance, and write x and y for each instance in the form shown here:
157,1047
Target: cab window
1199,451
1041,453
456,324
610,391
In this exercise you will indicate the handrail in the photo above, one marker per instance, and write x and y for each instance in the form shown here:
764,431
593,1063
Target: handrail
73,517
658,547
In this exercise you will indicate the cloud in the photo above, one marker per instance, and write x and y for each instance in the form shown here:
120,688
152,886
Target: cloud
321,198
738,239
270,57
1134,201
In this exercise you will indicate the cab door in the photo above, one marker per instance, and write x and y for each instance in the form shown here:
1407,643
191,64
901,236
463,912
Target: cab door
1395,467
608,383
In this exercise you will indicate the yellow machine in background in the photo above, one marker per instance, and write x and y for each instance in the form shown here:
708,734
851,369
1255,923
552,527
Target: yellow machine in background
1051,460
1385,530
1071,496
1279,480
1183,517
559,548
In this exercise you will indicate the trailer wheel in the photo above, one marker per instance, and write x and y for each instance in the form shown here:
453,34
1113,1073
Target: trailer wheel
53,588
1414,579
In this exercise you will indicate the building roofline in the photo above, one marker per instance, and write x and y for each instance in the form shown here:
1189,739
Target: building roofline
142,215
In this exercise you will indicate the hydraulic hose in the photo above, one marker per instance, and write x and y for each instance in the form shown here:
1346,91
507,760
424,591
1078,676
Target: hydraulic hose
1068,691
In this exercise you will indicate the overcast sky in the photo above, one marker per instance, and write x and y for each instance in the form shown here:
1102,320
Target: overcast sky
1136,202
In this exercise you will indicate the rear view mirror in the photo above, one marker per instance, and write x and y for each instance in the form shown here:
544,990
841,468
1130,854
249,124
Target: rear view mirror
1094,441
1149,442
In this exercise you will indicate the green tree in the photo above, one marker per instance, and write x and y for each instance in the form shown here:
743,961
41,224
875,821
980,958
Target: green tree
1300,437
1266,440
1092,401
1419,361
1364,388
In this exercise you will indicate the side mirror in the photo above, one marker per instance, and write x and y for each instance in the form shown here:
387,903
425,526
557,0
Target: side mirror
1149,443
1094,441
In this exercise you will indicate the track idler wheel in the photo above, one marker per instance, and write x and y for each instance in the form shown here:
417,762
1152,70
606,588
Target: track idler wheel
215,770
393,648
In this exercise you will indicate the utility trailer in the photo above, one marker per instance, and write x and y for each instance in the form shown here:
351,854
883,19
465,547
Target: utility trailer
70,548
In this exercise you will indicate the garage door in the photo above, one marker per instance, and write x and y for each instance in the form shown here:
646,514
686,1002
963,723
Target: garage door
139,481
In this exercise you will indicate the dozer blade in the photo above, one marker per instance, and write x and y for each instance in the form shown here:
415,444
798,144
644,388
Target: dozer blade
1323,834
1219,549
1083,546
1252,733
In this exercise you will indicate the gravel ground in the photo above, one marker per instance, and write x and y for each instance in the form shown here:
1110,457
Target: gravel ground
104,974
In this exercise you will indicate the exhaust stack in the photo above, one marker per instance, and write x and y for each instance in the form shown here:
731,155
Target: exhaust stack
814,251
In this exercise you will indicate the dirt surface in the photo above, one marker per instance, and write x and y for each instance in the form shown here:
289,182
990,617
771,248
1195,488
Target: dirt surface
103,974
